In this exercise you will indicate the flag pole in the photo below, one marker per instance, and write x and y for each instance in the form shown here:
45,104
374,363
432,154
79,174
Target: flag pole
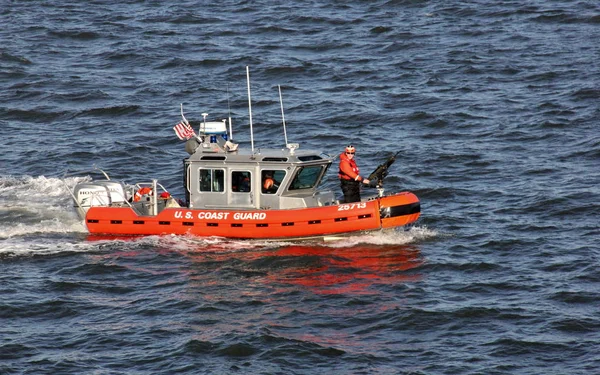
182,116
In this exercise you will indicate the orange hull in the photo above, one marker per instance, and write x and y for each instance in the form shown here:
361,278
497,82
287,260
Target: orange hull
386,212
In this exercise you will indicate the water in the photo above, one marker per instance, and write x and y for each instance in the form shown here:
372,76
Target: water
493,105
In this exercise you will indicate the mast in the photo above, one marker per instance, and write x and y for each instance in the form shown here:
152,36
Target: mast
282,115
250,107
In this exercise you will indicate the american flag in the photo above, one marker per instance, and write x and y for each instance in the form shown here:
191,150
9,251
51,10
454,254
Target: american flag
184,130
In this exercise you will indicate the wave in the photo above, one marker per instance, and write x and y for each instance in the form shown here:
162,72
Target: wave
34,205
7,57
75,34
36,115
586,93
111,111
564,18
415,234
216,245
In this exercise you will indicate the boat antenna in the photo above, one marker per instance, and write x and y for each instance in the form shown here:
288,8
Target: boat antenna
250,107
290,146
282,115
229,108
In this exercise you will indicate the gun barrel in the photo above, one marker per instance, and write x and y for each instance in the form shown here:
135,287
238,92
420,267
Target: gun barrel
381,171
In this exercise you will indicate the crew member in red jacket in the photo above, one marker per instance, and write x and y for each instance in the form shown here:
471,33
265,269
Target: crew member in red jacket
350,178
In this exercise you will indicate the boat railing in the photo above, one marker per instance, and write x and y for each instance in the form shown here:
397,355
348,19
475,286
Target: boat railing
154,206
113,197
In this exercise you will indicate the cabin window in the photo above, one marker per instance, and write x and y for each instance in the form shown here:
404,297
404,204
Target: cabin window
212,180
210,157
271,180
309,158
241,181
306,178
283,160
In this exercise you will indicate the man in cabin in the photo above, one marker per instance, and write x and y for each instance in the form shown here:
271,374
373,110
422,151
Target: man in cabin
245,184
350,178
269,186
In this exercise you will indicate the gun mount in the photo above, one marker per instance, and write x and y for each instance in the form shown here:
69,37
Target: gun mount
379,174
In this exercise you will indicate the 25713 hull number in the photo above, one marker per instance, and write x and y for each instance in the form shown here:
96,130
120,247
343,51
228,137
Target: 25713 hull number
351,206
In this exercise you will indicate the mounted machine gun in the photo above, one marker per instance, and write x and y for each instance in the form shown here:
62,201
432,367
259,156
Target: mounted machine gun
378,175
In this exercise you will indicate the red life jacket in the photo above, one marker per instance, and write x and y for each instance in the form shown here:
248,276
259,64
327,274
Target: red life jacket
143,191
348,169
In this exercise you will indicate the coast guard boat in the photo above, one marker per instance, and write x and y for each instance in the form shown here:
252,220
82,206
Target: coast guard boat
225,194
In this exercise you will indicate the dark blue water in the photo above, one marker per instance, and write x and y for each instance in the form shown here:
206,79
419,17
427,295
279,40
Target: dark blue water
493,105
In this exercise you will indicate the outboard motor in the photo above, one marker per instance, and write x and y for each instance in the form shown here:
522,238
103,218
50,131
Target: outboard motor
98,193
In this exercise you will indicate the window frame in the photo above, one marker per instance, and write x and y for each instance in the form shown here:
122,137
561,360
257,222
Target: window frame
274,173
213,178
233,180
315,181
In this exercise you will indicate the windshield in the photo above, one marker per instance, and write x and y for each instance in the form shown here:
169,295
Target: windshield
306,178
